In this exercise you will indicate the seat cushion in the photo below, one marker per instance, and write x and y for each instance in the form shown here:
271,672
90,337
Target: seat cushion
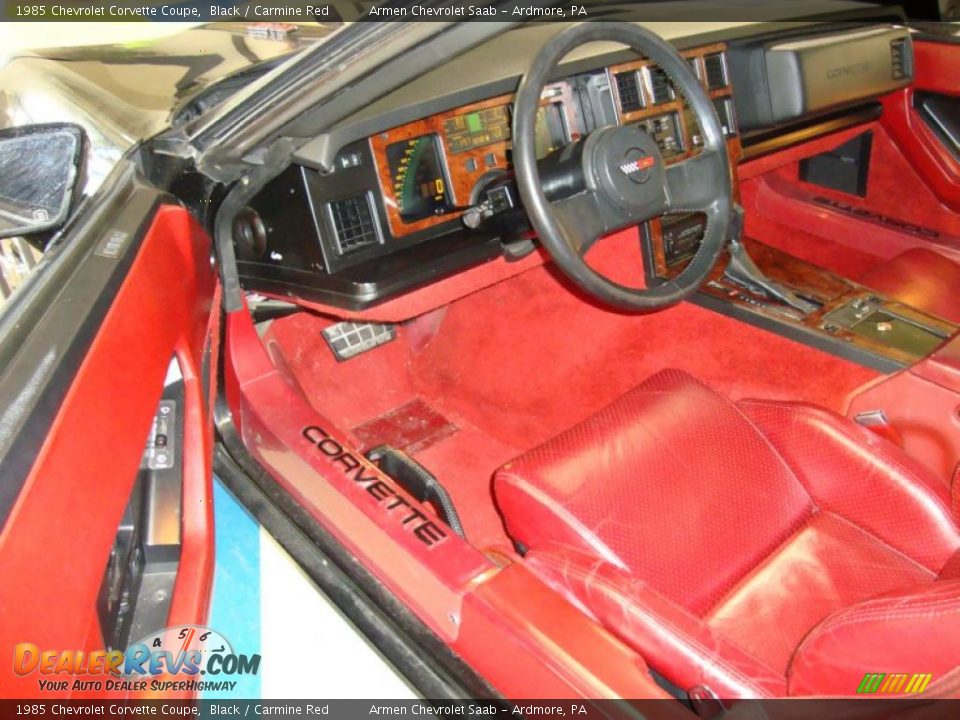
672,640
753,522
827,565
921,278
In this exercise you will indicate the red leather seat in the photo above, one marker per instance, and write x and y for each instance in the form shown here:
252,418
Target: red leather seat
757,549
921,278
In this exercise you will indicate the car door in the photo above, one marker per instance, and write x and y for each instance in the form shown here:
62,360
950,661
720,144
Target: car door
925,119
106,358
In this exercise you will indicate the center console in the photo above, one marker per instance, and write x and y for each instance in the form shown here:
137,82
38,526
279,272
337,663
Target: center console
838,315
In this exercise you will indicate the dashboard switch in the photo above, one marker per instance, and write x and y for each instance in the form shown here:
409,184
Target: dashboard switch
500,198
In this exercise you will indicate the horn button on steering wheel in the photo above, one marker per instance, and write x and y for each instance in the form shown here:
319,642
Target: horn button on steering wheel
628,169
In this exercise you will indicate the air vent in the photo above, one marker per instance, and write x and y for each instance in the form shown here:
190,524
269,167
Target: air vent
353,222
716,71
660,89
900,59
628,88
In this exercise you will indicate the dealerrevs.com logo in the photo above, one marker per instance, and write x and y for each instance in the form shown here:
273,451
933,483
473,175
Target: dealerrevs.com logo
186,658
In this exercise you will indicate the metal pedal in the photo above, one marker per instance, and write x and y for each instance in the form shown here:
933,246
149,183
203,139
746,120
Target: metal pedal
349,339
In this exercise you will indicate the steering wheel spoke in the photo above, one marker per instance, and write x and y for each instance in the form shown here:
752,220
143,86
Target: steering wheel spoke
692,183
584,221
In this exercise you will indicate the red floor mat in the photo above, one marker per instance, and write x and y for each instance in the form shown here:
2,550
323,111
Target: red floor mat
371,390
516,363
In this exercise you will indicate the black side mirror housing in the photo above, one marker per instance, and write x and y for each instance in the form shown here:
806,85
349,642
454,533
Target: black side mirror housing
40,177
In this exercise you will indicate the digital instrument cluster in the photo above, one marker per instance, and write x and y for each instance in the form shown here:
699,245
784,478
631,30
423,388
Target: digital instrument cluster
419,181
437,169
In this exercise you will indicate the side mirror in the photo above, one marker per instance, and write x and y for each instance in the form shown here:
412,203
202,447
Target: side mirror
39,177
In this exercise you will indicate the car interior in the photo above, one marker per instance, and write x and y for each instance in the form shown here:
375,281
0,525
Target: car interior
665,319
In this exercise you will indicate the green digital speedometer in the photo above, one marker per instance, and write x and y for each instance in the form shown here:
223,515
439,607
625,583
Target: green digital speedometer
418,178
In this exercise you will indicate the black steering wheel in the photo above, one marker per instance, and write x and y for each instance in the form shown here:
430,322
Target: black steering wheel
615,177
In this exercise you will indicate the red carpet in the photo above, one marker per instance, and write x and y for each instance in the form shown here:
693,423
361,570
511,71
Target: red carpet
520,361
526,359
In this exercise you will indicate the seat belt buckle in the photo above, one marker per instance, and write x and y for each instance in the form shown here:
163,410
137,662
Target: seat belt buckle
876,421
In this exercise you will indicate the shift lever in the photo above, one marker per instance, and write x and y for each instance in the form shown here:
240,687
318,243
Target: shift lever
744,271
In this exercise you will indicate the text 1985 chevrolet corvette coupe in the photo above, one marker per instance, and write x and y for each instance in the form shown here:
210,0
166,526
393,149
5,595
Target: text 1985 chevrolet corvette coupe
595,360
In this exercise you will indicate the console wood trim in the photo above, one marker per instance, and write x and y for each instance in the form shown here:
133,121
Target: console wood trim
827,289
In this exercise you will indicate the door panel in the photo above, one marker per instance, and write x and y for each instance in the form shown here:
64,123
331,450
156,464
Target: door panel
937,70
61,526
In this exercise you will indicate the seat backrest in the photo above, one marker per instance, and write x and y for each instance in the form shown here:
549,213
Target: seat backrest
850,471
671,478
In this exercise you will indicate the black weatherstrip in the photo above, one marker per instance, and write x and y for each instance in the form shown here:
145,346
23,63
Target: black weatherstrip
48,327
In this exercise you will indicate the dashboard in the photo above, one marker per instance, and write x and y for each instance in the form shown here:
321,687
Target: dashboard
424,199
434,168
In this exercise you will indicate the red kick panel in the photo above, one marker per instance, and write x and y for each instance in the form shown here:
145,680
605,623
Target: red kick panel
935,65
782,211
